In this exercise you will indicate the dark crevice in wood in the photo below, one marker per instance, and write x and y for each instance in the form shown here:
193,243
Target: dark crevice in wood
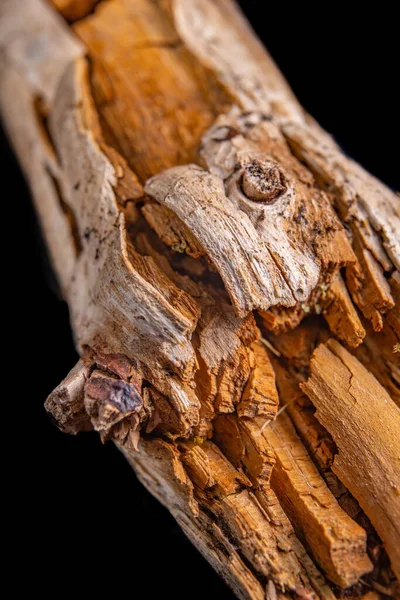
41,111
76,10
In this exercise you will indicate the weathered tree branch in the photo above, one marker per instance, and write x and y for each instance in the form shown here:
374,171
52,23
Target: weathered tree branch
201,225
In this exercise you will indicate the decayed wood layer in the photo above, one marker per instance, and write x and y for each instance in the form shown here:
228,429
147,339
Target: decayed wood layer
333,537
292,353
381,351
365,424
181,187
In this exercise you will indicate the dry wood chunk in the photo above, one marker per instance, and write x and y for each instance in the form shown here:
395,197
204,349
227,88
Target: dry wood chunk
66,402
73,10
242,442
209,469
167,414
336,542
223,359
265,546
291,215
264,179
368,286
273,509
365,425
159,468
341,315
260,397
315,437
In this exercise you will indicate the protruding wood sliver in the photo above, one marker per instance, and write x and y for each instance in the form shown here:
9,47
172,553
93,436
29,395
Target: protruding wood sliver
260,397
264,544
336,542
371,210
243,443
223,357
365,424
66,402
341,314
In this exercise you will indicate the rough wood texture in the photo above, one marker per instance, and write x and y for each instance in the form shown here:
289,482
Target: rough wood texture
365,424
187,201
337,543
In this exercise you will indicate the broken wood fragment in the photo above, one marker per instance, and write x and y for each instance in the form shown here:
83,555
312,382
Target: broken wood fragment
353,406
66,402
337,543
259,398
341,314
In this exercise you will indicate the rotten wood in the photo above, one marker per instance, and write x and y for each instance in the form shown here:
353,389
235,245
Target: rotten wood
336,541
365,424
189,202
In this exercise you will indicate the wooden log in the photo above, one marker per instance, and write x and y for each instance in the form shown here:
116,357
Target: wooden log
182,191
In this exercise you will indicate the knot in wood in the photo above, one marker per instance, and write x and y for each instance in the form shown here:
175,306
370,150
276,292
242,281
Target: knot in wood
263,181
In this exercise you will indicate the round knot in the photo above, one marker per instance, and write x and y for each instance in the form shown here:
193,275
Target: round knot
263,181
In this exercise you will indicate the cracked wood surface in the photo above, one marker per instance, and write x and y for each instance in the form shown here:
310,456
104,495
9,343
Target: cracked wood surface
353,406
181,188
337,543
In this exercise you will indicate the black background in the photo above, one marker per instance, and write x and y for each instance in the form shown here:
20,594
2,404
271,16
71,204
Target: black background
80,521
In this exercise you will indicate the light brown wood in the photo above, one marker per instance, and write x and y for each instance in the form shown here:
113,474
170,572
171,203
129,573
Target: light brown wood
195,216
337,543
341,315
365,424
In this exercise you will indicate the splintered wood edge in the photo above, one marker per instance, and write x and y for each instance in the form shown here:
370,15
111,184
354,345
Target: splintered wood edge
353,406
